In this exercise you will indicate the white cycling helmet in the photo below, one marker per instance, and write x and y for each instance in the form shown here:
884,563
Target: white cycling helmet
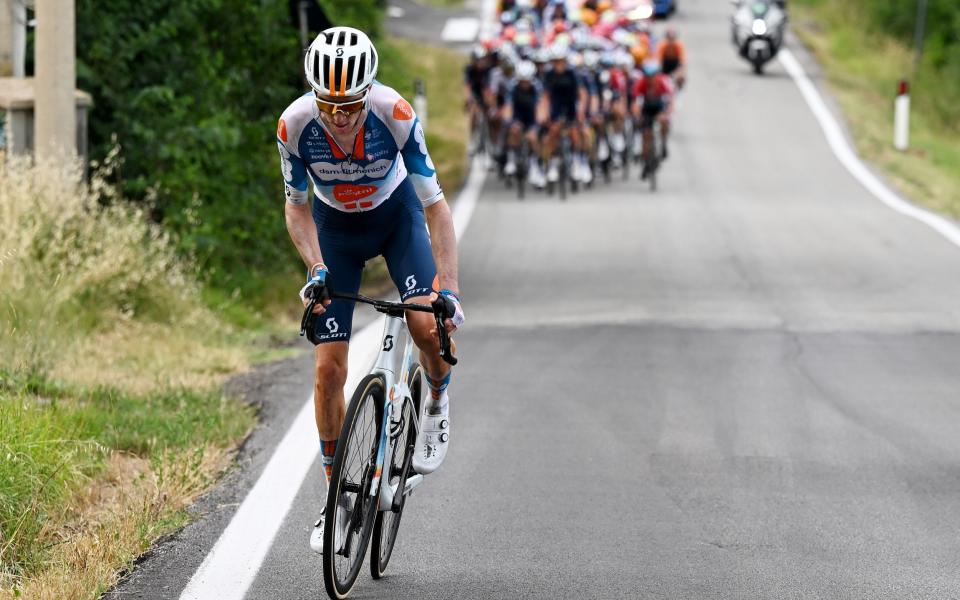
340,62
526,71
591,59
560,51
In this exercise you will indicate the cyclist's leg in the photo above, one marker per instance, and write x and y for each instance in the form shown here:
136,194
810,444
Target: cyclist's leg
409,257
343,254
411,265
513,134
664,119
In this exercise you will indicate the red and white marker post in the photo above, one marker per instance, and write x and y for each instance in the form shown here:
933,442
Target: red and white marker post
901,117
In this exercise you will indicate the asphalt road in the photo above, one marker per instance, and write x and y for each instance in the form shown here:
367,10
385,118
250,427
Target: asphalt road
743,386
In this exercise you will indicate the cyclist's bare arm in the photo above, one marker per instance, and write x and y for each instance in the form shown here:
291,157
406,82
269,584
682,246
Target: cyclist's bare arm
543,108
303,233
443,239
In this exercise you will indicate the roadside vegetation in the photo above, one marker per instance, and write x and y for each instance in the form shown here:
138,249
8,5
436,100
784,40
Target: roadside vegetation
111,418
128,299
865,47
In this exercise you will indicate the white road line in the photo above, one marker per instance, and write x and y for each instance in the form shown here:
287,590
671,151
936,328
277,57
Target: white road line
234,561
849,159
460,29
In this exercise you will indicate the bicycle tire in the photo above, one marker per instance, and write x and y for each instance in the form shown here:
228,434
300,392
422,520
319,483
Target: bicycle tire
367,401
388,521
562,181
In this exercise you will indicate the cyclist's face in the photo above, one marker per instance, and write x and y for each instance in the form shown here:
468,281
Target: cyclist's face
342,121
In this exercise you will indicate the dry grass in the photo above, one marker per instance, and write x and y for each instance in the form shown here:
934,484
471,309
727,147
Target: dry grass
863,69
91,292
115,519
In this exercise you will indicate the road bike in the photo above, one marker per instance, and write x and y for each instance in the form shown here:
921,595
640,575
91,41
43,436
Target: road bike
652,158
565,166
372,473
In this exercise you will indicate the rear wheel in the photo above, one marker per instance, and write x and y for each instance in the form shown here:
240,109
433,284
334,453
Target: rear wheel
349,499
405,436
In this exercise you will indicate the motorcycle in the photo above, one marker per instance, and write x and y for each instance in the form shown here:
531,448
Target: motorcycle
758,29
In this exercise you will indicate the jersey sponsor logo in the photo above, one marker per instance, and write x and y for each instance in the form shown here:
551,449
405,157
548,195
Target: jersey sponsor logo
402,111
346,192
282,130
350,171
411,282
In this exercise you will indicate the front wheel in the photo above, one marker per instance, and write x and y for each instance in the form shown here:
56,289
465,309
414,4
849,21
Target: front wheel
405,436
351,499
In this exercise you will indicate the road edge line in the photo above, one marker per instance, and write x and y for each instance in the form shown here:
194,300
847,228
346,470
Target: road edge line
232,565
848,157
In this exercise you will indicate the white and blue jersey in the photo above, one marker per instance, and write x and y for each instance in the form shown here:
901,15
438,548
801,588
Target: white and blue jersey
363,177
370,199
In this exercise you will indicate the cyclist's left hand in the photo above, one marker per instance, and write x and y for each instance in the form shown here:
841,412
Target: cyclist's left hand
453,323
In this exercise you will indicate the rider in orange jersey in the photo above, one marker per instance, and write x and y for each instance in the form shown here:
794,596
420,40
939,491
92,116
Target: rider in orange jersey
672,55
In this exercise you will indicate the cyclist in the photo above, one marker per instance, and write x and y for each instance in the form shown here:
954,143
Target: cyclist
496,97
523,111
568,102
654,102
476,78
672,55
347,136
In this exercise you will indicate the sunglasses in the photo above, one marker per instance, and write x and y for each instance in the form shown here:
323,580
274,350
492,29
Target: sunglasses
347,108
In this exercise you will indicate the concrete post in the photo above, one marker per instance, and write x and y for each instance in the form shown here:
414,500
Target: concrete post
901,117
55,116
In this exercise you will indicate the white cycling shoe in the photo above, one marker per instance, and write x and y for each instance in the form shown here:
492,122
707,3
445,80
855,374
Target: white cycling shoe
432,441
316,536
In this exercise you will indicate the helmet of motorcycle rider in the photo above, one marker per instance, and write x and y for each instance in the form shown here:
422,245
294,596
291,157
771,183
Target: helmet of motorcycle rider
342,51
526,71
651,67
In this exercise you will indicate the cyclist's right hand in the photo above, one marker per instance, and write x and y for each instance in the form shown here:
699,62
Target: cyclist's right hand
316,289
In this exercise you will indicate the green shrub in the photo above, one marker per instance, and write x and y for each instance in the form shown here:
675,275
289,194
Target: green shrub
191,90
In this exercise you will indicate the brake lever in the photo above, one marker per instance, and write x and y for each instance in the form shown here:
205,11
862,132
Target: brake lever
307,313
439,314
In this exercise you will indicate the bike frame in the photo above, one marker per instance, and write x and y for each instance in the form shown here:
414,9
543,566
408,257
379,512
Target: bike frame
394,366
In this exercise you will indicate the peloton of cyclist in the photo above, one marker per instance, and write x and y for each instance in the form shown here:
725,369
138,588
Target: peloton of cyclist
347,136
